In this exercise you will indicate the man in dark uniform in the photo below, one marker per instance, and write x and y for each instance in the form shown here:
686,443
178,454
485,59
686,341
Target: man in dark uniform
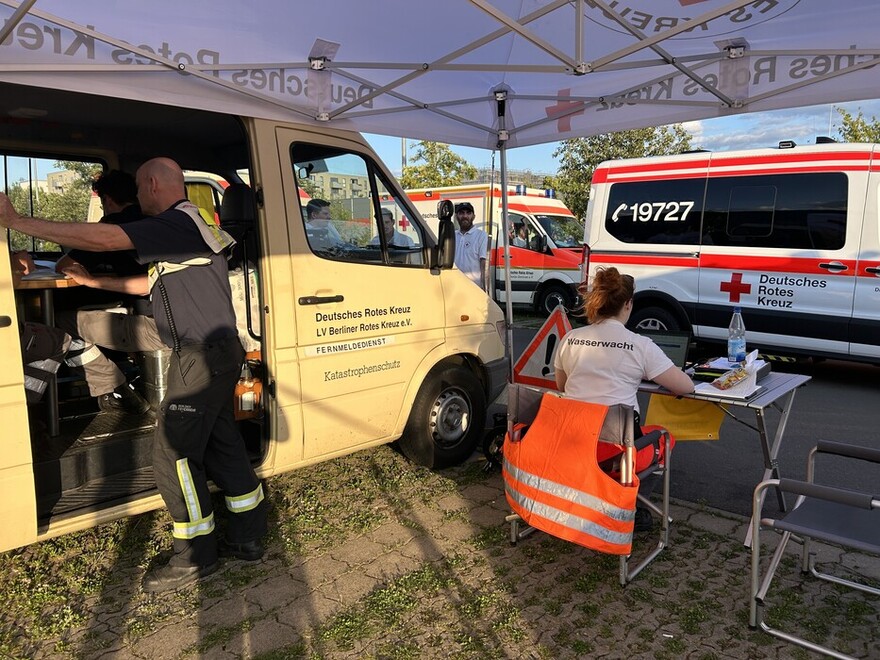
108,328
196,437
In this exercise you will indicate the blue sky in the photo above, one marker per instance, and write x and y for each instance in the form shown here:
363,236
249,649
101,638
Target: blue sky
748,131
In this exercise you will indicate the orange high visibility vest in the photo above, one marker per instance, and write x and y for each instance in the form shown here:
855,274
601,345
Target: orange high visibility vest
553,481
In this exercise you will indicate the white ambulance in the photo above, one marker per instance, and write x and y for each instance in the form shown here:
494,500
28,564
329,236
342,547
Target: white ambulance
545,240
788,234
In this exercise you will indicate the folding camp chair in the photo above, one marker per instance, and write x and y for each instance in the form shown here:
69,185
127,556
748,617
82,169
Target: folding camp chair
844,517
554,483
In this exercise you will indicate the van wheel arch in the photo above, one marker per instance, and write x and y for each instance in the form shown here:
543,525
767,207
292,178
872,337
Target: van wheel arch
552,293
658,314
448,416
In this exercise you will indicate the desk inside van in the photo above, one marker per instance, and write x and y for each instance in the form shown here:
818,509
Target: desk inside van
46,287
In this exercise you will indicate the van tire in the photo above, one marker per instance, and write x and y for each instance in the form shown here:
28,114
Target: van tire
654,318
551,296
447,419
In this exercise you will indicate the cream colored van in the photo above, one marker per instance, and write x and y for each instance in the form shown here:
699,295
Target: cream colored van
354,342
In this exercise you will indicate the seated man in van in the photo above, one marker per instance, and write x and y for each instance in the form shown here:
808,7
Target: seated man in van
129,327
521,236
320,231
43,348
393,238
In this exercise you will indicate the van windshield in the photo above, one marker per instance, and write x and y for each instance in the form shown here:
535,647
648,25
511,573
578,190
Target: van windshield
564,230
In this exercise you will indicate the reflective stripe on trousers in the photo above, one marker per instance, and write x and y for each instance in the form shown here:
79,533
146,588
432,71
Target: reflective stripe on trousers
196,525
246,502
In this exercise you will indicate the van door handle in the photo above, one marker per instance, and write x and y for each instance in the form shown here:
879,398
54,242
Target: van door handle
5,321
320,300
835,266
873,269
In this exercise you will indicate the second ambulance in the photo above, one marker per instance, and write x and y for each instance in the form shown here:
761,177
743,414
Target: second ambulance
545,240
789,234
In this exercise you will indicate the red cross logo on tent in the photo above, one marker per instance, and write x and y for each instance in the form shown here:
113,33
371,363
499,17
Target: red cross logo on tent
535,365
735,287
563,124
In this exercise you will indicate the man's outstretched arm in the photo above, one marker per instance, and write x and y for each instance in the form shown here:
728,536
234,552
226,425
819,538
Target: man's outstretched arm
96,237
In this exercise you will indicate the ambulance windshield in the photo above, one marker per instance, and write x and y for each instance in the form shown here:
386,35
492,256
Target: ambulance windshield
564,230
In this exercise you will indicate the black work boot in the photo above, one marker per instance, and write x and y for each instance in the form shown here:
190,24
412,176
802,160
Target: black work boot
246,551
644,521
175,577
123,399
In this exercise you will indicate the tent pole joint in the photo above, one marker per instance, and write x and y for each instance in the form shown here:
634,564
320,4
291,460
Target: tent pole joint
317,63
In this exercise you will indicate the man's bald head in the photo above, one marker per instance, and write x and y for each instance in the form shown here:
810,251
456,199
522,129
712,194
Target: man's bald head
160,184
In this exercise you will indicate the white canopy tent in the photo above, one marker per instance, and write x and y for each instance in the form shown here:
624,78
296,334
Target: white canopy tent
437,70
482,73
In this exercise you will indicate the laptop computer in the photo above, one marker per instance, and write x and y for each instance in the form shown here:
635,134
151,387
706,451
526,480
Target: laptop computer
674,344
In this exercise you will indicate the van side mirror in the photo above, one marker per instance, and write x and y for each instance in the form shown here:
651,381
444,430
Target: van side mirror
446,235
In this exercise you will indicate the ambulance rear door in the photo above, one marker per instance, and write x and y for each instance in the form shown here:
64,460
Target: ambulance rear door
865,326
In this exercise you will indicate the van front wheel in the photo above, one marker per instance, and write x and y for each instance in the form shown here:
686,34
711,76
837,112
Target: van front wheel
447,419
552,296
654,318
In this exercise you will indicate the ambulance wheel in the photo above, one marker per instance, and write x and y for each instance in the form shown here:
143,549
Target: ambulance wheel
553,295
654,318
447,419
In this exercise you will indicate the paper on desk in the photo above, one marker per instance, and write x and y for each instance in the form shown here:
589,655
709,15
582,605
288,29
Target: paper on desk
723,363
43,274
742,390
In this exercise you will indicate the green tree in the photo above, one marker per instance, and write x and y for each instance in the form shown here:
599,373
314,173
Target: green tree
71,205
580,156
857,128
86,173
437,165
311,188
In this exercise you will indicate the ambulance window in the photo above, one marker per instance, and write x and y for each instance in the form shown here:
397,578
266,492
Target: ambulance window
750,211
564,230
655,211
520,232
793,211
350,213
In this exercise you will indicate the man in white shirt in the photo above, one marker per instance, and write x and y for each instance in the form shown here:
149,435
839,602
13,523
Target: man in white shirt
471,245
320,231
393,238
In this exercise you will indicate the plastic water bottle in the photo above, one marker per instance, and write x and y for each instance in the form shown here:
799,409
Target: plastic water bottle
736,338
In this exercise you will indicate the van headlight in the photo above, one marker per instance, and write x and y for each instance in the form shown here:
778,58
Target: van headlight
501,329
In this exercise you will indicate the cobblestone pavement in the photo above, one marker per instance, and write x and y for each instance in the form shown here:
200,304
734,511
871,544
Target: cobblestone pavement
372,557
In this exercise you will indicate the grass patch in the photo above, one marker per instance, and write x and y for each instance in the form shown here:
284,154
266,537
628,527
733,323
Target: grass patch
474,596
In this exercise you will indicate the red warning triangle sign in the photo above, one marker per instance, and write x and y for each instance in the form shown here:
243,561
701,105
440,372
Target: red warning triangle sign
535,365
